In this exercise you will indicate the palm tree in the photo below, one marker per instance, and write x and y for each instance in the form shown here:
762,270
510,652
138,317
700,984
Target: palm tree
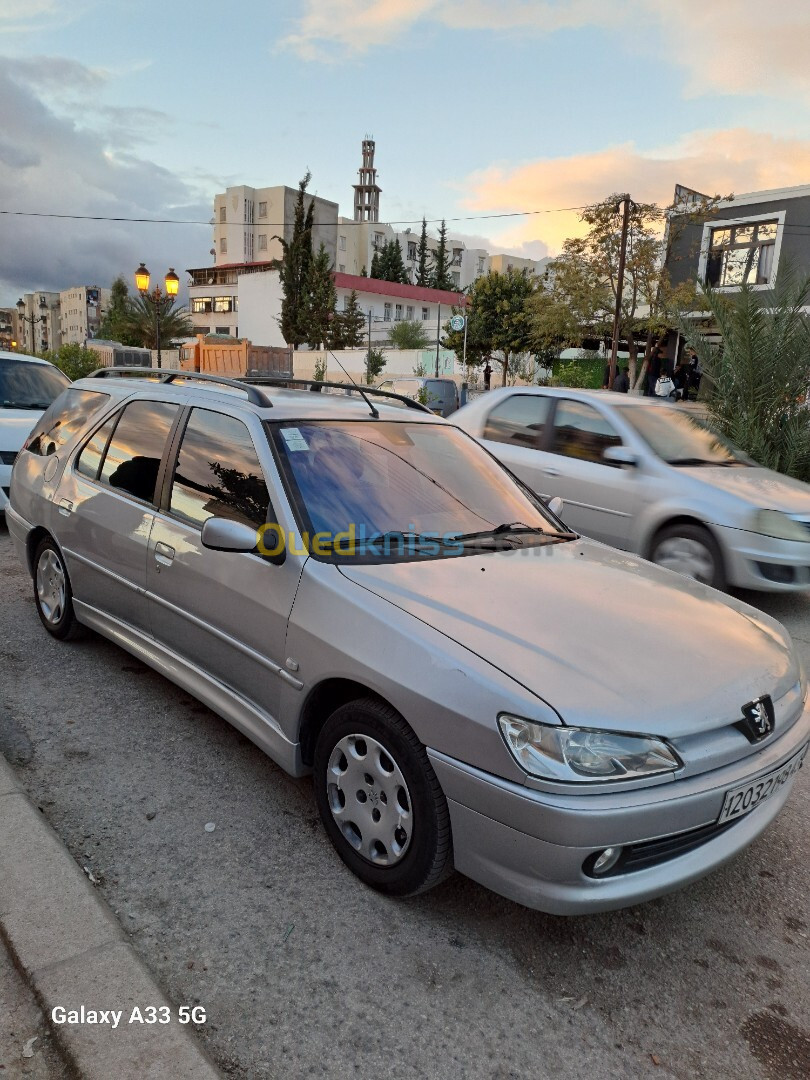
760,373
143,312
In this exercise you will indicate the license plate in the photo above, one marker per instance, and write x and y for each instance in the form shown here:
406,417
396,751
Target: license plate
742,800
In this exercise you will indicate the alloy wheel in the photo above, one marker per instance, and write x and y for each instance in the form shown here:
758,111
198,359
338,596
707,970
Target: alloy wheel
686,555
51,586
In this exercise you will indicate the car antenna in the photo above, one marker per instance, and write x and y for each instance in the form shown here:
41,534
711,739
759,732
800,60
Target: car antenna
360,390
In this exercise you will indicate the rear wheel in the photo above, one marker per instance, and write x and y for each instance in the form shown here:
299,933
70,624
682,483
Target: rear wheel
380,801
690,550
53,594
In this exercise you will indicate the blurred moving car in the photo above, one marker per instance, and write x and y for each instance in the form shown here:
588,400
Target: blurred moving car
28,385
368,595
648,477
440,395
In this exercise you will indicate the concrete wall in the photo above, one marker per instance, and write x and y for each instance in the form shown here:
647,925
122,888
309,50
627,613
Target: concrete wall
260,297
399,363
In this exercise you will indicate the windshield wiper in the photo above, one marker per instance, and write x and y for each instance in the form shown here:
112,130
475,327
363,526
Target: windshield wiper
515,527
29,405
701,461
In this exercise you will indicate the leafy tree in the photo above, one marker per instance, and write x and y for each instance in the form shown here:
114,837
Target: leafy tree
73,359
321,300
364,272
423,275
760,373
420,370
114,324
349,325
375,362
498,321
144,311
440,272
295,271
319,374
408,335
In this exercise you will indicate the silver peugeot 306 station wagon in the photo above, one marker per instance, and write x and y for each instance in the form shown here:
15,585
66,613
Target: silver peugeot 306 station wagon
364,591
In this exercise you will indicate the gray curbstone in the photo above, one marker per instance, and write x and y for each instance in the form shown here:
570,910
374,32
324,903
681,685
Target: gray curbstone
72,951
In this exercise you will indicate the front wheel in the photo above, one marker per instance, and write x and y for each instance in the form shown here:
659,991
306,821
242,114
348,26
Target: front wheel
380,801
53,594
690,550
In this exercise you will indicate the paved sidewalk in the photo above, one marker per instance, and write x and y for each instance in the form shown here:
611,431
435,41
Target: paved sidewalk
74,956
27,1046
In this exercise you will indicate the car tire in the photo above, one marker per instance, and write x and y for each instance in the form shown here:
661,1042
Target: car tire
690,550
53,594
380,801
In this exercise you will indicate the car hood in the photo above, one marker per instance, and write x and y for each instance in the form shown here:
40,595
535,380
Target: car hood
606,639
763,488
15,426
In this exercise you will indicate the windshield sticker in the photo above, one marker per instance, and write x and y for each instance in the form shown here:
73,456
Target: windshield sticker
294,439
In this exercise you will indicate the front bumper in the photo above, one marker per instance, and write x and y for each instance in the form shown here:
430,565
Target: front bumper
5,484
530,846
755,561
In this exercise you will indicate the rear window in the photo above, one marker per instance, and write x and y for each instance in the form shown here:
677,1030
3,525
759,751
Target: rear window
65,419
27,385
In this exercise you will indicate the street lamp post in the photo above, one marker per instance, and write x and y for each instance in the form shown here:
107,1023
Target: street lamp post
156,298
32,320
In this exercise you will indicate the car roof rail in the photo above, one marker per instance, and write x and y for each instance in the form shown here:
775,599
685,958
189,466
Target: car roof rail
293,382
254,395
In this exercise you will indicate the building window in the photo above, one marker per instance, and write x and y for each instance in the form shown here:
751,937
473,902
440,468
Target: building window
345,301
425,314
262,241
262,209
226,330
456,279
741,254
223,303
378,241
386,313
342,243
412,249
342,268
398,313
222,214
457,256
480,267
200,305
409,312
223,244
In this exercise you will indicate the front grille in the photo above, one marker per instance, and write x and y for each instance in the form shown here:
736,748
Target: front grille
653,852
8,457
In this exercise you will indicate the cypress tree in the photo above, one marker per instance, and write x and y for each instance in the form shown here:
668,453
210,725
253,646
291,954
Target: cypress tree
422,268
295,271
322,298
440,275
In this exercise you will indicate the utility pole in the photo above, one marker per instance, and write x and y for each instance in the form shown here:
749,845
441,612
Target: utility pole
438,335
368,364
627,202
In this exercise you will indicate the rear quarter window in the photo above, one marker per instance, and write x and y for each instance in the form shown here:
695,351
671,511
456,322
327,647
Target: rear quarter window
66,418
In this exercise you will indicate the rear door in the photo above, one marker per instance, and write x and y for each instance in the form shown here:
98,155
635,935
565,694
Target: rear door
224,612
514,433
104,509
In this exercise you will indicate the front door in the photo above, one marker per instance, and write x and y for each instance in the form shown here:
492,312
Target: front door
224,612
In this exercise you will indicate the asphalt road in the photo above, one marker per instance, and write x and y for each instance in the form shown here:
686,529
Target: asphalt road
304,972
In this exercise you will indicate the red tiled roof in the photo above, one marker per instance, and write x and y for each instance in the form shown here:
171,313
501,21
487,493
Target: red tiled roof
393,288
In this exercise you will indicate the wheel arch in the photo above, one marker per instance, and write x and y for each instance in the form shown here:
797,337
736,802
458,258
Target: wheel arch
321,702
678,519
32,542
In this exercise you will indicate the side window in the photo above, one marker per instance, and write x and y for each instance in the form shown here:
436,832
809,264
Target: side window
132,460
580,431
89,460
519,420
64,419
218,472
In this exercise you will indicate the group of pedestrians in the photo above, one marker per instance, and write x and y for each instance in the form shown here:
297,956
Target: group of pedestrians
661,380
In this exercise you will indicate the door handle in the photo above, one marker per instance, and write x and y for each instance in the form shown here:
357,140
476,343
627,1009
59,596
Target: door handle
552,472
164,554
65,507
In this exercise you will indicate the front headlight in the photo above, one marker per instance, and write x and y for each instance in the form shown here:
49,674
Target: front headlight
579,754
775,523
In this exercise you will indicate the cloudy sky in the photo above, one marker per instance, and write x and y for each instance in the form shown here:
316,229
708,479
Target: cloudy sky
479,109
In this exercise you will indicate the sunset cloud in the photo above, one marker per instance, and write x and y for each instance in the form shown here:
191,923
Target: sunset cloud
725,47
726,162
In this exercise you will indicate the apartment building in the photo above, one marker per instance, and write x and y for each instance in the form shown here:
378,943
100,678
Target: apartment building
80,312
249,222
38,322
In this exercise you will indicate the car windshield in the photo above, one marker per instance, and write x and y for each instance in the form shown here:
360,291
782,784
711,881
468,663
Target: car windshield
382,489
680,439
26,385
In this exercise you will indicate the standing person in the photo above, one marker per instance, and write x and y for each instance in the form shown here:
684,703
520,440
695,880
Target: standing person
487,375
695,374
653,372
621,384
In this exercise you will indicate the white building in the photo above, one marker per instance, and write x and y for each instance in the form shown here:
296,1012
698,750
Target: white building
80,312
248,223
38,322
386,302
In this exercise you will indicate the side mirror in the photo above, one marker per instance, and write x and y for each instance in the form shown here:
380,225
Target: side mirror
222,534
619,455
555,505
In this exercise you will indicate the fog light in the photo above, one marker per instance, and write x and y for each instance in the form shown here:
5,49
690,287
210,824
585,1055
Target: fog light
605,861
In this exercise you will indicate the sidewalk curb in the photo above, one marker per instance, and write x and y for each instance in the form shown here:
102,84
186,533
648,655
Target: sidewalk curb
72,952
